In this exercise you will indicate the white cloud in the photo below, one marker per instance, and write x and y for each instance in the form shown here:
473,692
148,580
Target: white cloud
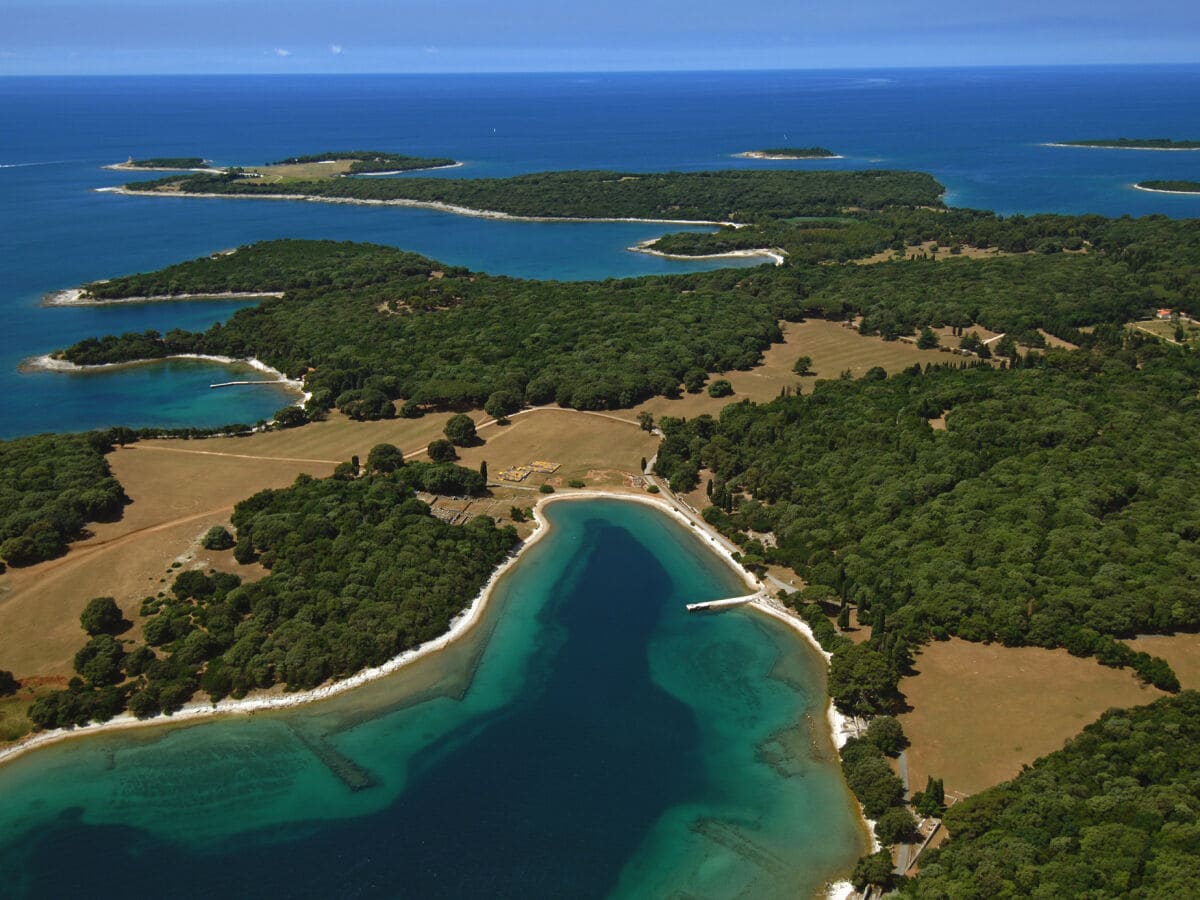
335,49
279,51
431,50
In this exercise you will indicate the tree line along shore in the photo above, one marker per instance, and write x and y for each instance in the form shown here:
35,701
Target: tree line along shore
1125,143
357,162
1052,509
1168,186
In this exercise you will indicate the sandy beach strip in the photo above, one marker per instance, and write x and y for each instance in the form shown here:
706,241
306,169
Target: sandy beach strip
78,297
1138,187
435,205
125,167
1107,147
453,165
776,255
758,154
47,363
463,623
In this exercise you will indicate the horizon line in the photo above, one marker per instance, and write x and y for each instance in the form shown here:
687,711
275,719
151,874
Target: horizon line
630,71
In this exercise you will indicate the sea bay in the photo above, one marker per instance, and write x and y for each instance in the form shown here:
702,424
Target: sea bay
589,738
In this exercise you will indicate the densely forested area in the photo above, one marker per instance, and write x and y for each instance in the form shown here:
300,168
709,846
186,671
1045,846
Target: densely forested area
1058,272
398,326
271,266
367,161
734,195
1115,813
51,486
359,572
805,240
372,318
1052,510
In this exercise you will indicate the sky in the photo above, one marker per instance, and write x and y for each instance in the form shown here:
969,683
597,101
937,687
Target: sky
352,36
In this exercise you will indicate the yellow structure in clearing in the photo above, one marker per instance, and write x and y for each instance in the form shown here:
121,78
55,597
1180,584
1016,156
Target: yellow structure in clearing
515,474
545,468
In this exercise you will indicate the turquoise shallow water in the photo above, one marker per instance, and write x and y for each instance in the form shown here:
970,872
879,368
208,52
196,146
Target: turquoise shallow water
590,738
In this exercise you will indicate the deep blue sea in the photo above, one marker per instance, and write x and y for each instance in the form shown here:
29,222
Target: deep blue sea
979,131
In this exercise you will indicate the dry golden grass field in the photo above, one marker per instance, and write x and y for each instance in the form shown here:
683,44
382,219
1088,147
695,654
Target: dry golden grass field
981,711
931,250
181,488
834,349
274,174
1181,651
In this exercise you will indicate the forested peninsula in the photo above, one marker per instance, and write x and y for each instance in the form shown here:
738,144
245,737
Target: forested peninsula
359,572
169,163
367,162
733,196
1170,187
1125,143
359,321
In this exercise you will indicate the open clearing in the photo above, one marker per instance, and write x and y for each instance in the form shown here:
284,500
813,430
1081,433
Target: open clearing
1165,329
181,488
1181,651
932,250
834,349
274,174
981,711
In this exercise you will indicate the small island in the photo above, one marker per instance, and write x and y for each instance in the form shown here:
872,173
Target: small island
1169,187
789,153
368,162
1125,143
163,163
316,165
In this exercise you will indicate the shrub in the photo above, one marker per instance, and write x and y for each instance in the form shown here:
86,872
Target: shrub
217,538
384,458
720,388
101,616
290,417
895,826
442,450
546,489
460,430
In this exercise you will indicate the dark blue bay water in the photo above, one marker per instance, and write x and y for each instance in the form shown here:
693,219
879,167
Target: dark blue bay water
979,131
589,739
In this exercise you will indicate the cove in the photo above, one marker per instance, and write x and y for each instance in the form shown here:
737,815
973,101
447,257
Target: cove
588,738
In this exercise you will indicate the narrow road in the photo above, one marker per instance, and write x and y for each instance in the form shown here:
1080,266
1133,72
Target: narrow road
903,851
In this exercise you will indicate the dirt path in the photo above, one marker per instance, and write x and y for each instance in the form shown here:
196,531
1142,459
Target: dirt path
146,445
86,551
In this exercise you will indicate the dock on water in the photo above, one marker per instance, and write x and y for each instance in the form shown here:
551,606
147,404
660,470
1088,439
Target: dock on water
234,383
728,603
